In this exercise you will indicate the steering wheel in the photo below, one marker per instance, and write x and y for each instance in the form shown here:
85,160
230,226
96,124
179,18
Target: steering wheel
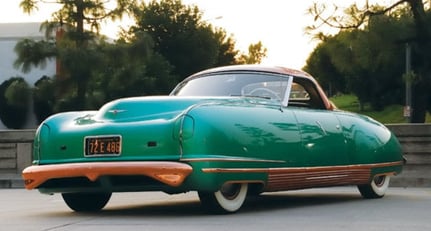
264,92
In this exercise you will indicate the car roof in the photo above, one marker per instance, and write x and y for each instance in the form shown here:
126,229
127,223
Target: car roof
256,67
268,69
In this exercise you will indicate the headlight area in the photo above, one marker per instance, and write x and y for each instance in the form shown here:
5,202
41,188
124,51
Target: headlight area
40,139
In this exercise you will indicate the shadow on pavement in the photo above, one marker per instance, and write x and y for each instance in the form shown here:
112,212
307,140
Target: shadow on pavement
192,207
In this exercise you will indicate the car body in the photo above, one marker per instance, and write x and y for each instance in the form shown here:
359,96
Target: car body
226,133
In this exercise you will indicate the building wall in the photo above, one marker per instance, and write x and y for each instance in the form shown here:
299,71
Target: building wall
10,35
416,142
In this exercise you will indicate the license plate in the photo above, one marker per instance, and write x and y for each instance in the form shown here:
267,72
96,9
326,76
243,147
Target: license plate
102,146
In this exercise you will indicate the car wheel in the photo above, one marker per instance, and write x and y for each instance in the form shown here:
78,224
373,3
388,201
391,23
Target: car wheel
228,199
377,188
86,202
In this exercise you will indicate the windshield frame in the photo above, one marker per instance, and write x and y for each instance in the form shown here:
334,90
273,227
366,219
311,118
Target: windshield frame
244,78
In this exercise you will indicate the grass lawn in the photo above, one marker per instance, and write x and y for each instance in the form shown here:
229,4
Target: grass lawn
391,114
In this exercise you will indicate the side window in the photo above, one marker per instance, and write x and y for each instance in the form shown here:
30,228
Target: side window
298,93
304,94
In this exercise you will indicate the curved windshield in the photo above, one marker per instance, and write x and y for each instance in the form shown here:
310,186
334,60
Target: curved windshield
264,85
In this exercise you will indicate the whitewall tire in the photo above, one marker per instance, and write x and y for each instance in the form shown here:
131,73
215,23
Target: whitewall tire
228,199
376,188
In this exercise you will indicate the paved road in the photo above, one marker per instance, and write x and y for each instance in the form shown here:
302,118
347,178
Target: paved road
330,209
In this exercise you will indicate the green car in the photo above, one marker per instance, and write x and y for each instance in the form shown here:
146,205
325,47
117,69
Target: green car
226,132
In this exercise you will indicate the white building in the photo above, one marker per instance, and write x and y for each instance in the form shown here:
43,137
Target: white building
10,34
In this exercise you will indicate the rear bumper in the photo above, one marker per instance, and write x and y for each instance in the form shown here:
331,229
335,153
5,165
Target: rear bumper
170,173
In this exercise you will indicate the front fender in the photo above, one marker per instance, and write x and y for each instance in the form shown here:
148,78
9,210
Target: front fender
368,140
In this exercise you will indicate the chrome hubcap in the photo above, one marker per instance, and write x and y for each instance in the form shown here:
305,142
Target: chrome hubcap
230,191
379,180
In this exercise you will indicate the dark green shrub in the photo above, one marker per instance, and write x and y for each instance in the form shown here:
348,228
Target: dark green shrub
43,98
14,102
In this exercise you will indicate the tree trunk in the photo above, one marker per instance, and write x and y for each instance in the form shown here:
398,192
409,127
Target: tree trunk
422,60
80,95
419,102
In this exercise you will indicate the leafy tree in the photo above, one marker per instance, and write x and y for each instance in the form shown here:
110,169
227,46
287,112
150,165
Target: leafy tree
78,13
414,20
380,56
179,34
189,43
75,51
78,66
320,64
168,38
132,68
34,53
369,60
256,52
227,52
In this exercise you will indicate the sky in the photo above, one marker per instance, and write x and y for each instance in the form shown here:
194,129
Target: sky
278,24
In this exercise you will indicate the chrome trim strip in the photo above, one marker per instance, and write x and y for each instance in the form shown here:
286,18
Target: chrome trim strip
300,169
214,159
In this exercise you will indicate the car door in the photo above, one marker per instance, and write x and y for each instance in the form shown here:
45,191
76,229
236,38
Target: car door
323,142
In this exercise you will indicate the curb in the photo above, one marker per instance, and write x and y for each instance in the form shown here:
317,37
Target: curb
11,181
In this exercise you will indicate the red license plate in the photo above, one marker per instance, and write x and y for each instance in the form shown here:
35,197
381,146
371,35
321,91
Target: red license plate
102,145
